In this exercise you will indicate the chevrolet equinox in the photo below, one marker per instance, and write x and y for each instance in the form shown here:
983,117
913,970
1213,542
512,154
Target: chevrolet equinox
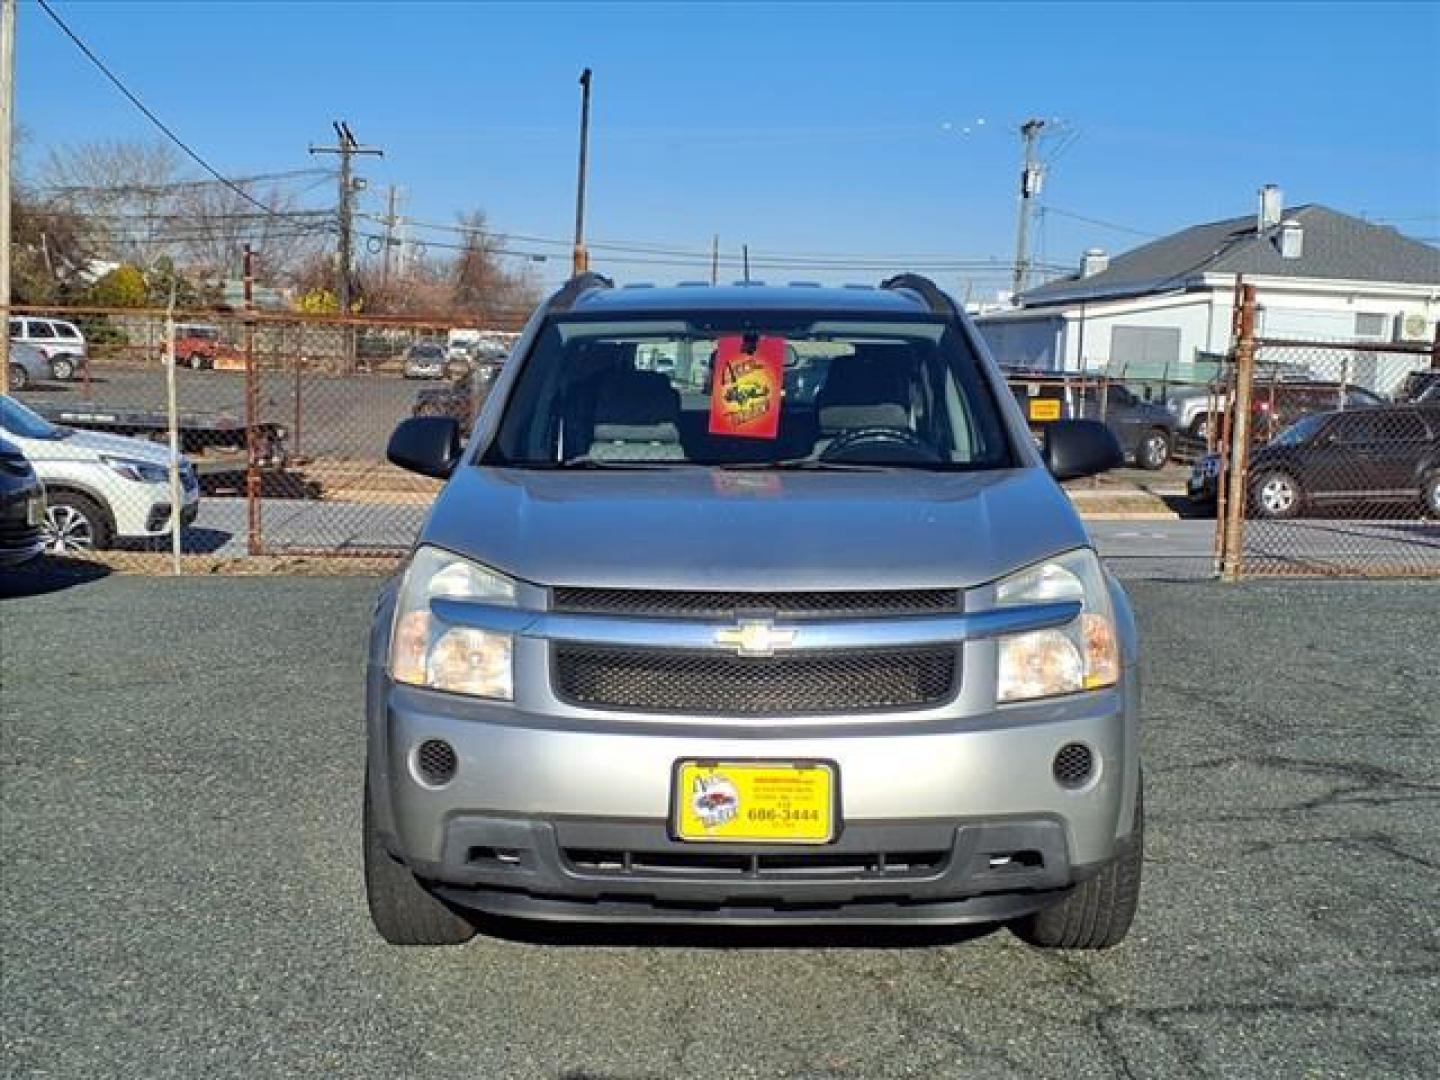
675,645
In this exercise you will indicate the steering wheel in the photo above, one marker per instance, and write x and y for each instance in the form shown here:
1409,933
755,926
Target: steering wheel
882,446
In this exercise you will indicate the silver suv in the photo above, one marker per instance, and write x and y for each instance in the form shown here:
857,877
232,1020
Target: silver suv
677,647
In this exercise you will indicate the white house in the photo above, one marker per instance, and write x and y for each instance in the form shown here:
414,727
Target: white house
1319,275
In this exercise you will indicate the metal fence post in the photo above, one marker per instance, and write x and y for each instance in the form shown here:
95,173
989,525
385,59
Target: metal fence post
252,420
1232,564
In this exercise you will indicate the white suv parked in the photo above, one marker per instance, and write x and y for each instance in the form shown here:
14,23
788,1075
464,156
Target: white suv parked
60,342
99,488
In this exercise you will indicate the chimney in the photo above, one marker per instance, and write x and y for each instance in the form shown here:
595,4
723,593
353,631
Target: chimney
1271,205
1093,262
1292,239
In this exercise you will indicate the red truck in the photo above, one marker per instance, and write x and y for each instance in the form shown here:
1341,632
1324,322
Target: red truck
197,345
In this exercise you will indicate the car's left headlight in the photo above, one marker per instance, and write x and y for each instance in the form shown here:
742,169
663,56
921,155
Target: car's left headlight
427,651
1084,654
146,472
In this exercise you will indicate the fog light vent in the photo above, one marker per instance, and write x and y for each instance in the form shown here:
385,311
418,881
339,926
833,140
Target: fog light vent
1074,765
435,762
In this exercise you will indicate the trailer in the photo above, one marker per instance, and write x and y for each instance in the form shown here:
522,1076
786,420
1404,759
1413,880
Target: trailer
202,435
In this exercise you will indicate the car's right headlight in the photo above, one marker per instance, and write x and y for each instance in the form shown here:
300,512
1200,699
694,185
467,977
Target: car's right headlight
1084,654
427,651
145,472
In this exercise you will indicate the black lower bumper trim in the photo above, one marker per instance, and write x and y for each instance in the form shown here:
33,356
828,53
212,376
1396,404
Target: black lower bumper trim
975,909
930,872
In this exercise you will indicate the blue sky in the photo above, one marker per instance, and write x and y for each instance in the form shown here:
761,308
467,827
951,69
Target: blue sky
851,130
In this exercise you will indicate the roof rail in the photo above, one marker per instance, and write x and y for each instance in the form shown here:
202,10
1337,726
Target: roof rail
934,298
572,290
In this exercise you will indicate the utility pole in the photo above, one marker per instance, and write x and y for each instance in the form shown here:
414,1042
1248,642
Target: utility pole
346,147
1031,178
582,258
389,235
715,259
7,125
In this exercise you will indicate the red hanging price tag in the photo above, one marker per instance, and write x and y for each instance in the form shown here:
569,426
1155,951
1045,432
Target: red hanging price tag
745,393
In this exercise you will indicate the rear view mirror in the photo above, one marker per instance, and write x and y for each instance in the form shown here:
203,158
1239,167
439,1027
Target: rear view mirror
1075,448
428,445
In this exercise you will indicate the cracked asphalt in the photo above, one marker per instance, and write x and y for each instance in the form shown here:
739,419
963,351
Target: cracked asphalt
180,766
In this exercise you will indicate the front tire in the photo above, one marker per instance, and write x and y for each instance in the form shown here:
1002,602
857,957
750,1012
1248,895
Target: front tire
1275,495
1099,911
76,524
403,910
1154,450
62,368
1430,494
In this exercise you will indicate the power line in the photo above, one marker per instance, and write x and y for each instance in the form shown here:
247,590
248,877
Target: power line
79,44
1098,222
178,185
661,254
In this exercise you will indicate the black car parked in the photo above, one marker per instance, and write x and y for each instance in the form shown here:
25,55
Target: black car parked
22,508
1355,458
1146,429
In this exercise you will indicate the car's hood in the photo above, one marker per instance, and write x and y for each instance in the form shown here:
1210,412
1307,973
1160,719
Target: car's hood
81,445
698,528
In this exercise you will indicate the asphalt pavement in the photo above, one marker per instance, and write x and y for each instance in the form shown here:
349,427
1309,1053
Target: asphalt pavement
180,768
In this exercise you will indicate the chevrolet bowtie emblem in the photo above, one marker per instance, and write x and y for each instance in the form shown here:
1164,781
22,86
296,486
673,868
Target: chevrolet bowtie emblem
755,637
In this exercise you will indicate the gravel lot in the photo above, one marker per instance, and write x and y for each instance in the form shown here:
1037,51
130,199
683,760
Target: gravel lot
181,893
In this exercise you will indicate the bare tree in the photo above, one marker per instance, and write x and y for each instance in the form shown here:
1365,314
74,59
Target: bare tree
122,189
219,222
139,205
484,289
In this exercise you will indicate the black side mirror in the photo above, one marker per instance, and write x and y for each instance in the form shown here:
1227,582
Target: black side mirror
428,445
1075,448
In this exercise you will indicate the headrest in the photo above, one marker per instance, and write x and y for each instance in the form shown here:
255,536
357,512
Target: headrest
636,399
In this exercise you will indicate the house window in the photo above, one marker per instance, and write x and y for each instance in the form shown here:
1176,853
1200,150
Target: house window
1149,346
1371,326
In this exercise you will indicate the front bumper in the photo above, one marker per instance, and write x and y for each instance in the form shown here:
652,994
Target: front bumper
554,819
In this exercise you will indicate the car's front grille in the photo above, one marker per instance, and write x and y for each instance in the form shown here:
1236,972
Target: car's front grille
792,605
773,866
711,684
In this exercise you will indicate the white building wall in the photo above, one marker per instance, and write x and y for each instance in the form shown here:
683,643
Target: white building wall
1287,309
1089,328
1025,342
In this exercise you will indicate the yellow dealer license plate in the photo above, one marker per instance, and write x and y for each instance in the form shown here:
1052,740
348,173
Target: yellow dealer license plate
772,802
1044,409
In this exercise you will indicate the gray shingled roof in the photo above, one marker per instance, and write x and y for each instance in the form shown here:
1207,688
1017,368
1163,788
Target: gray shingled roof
1337,246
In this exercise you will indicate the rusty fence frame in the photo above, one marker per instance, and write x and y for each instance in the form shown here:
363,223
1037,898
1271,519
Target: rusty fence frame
267,348
1237,438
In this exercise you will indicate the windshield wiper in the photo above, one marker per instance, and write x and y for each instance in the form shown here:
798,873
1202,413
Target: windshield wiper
806,465
585,461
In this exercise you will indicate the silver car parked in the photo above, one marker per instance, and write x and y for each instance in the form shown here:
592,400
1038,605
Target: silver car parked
674,647
28,366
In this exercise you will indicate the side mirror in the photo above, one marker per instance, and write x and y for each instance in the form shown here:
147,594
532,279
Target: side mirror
1075,448
428,445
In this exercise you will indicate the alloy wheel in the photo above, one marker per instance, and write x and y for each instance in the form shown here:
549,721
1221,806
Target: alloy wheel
67,531
63,368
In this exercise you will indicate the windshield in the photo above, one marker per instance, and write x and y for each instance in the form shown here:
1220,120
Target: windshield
16,419
1299,432
426,351
887,394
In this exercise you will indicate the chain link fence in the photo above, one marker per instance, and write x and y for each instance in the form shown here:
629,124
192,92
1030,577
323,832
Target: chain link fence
1332,460
281,422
